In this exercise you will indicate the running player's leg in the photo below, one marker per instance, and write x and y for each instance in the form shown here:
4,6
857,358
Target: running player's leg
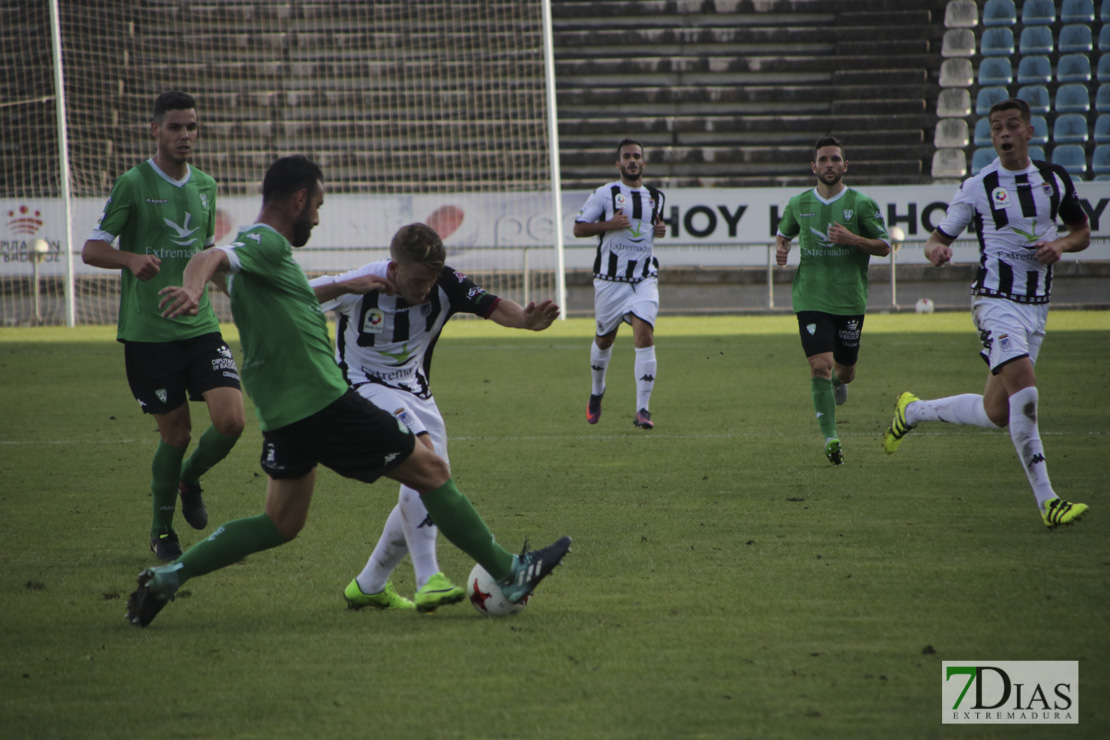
643,312
212,376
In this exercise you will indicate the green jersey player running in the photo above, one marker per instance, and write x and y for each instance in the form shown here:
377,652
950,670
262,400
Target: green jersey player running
307,412
838,229
162,212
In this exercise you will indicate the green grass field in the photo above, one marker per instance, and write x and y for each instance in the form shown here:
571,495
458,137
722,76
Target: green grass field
726,581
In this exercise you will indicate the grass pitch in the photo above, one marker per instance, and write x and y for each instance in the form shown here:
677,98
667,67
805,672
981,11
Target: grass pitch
726,581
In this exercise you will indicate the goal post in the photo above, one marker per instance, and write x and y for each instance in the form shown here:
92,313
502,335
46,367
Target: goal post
416,110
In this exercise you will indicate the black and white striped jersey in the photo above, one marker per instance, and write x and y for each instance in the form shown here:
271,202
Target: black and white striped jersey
1011,212
384,339
624,255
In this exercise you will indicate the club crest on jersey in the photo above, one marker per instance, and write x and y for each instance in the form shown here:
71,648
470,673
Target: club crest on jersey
848,213
403,416
1004,342
1000,198
373,322
811,328
161,393
204,201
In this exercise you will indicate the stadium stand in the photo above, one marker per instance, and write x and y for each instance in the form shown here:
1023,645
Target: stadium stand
1103,73
949,164
1037,153
1104,13
954,103
982,136
957,42
1034,70
1037,97
1040,131
999,13
1104,39
951,132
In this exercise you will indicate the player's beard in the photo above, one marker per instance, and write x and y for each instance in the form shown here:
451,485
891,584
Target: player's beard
626,175
831,179
302,228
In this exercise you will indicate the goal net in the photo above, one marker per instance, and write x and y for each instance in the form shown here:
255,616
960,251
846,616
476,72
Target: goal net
416,110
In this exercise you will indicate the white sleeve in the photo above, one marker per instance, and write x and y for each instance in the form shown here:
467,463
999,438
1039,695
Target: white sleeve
593,210
960,212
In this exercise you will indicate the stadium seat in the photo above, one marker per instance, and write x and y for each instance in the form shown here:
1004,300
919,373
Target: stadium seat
958,73
1040,130
1037,97
996,71
981,158
1077,11
982,132
1102,129
1038,13
1102,98
1103,73
950,133
1072,158
1037,153
950,163
1072,98
1104,15
1075,39
1070,128
1100,160
1073,68
1034,70
1104,39
1036,40
957,42
999,42
987,97
961,14
954,103
999,13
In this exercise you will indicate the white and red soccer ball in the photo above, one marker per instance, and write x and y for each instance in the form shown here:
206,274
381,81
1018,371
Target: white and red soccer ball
486,597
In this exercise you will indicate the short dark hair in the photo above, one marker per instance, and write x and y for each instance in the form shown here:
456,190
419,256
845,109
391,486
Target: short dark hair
288,175
626,142
1012,104
172,100
824,141
420,244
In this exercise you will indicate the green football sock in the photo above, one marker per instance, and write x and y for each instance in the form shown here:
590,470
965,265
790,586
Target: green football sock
229,544
456,518
824,403
836,381
164,470
211,448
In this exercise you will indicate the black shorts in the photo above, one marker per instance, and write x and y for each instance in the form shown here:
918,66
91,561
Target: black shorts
824,332
352,436
161,373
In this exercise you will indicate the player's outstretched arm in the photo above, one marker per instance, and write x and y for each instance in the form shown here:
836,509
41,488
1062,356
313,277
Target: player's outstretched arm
534,317
938,248
182,300
100,253
358,285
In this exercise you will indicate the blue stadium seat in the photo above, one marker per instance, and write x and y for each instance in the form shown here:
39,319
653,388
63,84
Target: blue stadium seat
997,71
1100,160
1040,130
1076,39
1072,98
999,42
1102,129
1036,40
982,135
1104,38
981,158
1037,153
1077,11
1038,13
1070,128
1073,68
1104,15
1037,97
987,97
1072,158
1104,67
1102,98
1035,70
999,13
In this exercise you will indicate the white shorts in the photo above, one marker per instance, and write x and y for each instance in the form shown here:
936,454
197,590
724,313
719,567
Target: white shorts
418,414
1008,330
614,302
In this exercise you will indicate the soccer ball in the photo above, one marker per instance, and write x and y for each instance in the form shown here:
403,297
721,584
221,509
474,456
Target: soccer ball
925,305
486,595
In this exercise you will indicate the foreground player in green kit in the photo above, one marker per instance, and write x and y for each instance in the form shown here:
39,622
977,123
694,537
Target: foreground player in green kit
163,211
839,230
307,412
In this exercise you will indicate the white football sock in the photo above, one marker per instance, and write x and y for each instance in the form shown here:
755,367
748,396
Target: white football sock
1027,441
420,535
599,363
966,409
389,551
645,376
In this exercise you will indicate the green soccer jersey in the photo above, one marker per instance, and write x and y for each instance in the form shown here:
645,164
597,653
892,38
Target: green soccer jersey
172,220
288,368
831,278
